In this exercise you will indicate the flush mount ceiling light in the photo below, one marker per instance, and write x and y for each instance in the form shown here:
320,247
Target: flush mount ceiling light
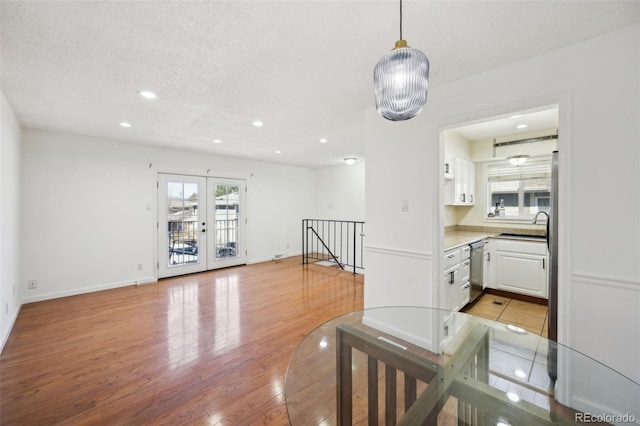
147,94
516,160
258,123
522,126
217,141
125,124
401,81
350,161
323,140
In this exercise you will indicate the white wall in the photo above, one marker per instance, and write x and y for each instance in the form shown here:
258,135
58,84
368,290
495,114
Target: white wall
88,209
596,83
9,219
340,192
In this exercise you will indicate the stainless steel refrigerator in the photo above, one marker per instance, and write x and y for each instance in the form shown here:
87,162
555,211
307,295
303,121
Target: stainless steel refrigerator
552,245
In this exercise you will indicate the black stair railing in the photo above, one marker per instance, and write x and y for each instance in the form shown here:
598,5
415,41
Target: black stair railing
334,241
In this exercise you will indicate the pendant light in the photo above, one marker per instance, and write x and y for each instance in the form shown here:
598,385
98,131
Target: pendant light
401,81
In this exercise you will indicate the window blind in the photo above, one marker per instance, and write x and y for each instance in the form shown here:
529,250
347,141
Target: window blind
534,168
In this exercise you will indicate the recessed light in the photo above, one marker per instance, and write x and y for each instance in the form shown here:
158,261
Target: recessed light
217,141
147,94
258,123
278,152
522,126
323,140
516,116
125,124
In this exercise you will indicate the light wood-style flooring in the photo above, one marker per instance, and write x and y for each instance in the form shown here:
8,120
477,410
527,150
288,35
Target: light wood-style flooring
202,349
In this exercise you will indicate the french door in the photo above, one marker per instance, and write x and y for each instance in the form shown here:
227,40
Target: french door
201,224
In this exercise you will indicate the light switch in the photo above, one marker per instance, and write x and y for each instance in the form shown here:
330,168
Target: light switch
404,205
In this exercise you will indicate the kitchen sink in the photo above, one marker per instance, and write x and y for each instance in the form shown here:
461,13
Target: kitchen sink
535,237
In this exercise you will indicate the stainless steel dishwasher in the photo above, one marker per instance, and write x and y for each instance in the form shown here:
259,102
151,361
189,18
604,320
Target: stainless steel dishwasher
477,262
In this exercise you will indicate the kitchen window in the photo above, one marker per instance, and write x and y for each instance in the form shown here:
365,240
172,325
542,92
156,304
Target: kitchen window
523,190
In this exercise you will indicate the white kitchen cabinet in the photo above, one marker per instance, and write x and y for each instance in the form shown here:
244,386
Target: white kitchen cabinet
464,182
521,267
489,270
449,168
455,281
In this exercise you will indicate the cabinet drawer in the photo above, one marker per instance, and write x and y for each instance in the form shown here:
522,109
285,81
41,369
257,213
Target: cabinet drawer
465,270
465,294
465,253
451,258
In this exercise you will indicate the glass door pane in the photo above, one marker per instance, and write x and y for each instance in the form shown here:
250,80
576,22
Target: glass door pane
181,223
226,213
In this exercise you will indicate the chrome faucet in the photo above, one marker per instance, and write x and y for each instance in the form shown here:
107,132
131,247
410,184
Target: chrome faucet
535,218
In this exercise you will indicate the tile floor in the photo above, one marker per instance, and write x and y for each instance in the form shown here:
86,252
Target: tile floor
529,316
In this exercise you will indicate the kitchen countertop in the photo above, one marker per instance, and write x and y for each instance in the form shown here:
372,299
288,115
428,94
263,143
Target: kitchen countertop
453,239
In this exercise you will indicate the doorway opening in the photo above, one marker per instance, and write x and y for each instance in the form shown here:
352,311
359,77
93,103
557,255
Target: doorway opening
497,179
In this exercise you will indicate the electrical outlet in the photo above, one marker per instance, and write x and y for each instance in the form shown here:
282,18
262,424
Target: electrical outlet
32,284
139,266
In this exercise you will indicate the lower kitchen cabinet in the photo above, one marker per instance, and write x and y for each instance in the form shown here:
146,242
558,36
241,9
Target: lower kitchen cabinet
521,267
455,283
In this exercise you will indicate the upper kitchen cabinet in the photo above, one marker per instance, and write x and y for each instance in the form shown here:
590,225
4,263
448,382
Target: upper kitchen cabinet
460,182
464,183
459,171
449,166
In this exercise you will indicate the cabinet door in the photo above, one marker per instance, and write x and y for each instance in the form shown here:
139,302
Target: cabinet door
521,273
450,289
485,269
471,183
460,182
464,182
449,166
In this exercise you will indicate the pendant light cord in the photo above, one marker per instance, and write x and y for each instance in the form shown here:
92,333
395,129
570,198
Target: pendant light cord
400,19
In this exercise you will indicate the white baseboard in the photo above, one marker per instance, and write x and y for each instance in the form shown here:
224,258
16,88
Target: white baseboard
83,290
12,322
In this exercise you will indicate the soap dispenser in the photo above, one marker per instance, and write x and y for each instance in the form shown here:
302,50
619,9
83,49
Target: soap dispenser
501,208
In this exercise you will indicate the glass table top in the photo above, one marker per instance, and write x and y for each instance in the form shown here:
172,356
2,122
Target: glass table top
412,366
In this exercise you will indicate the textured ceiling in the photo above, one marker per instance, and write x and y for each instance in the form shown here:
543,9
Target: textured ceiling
304,68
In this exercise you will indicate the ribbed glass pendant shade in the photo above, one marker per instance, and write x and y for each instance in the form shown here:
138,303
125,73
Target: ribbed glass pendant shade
401,81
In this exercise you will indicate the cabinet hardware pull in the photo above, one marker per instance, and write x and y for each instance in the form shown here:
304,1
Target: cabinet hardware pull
543,264
450,256
463,198
471,198
452,279
489,257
